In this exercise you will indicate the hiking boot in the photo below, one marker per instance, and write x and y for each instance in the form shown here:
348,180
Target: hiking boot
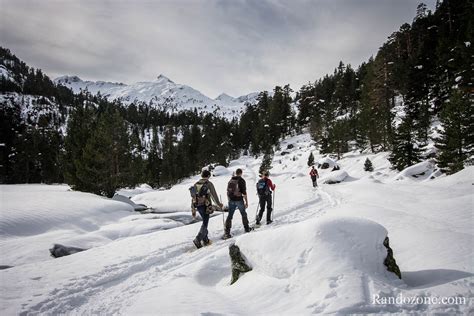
227,236
207,242
248,229
197,243
269,222
257,223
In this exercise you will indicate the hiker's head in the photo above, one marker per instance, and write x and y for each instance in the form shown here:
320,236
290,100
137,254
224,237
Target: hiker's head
266,174
238,172
206,174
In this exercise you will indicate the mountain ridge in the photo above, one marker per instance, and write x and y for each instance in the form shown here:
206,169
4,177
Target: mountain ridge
163,93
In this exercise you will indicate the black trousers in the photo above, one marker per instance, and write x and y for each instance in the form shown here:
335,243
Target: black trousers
265,200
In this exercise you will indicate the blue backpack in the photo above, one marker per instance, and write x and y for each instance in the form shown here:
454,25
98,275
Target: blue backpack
262,187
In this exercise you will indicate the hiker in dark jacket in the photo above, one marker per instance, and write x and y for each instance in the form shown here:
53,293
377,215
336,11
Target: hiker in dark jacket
314,176
265,187
205,198
237,195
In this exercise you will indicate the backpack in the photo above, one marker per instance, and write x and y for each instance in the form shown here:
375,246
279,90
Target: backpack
233,189
262,187
200,194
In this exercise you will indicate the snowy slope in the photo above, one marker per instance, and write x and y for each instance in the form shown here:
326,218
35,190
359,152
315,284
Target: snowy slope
322,254
161,92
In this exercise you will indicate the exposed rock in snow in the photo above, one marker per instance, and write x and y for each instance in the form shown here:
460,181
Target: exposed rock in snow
61,251
239,265
390,261
326,163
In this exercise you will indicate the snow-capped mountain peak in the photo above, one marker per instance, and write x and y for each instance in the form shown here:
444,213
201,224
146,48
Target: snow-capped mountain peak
162,93
163,78
225,97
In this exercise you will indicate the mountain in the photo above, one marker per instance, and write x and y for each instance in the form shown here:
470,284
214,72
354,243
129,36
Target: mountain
162,93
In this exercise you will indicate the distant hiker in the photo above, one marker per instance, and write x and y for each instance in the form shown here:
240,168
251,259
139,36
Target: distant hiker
314,176
237,195
265,187
204,195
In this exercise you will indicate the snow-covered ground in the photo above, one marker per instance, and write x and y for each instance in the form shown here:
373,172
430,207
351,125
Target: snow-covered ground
322,254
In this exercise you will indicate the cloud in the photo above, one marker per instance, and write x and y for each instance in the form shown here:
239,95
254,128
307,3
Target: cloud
220,45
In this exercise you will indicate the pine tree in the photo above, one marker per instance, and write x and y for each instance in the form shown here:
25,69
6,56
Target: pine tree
106,161
266,162
310,159
406,151
456,142
368,165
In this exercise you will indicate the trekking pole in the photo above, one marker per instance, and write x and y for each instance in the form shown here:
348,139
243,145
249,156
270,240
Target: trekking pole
273,204
223,220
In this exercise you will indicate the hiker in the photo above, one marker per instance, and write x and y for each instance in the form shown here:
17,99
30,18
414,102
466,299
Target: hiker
314,176
205,199
265,187
237,195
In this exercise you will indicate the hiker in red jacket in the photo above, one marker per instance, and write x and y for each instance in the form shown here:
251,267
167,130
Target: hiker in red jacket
314,176
265,187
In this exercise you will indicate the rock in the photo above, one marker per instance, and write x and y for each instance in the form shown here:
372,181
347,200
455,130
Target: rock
61,251
239,265
284,153
335,168
389,261
290,146
124,199
3,267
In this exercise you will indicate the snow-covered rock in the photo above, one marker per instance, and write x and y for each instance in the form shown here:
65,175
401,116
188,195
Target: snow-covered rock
335,177
424,170
124,199
326,163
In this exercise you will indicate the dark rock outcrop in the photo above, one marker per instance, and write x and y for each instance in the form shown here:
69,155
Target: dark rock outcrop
61,251
239,265
3,267
290,146
389,261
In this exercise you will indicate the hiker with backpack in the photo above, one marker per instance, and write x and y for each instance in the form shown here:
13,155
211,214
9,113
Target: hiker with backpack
265,187
314,176
237,195
204,200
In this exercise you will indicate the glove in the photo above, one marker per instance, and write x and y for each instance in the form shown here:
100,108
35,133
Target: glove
193,211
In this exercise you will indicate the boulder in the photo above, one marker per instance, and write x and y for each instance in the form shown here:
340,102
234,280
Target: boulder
61,251
335,177
389,261
239,265
124,199
326,163
290,146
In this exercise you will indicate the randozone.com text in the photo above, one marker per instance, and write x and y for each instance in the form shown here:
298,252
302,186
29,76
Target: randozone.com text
429,300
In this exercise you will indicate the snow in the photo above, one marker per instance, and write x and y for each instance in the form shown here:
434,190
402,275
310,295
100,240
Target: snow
423,170
163,93
335,177
322,254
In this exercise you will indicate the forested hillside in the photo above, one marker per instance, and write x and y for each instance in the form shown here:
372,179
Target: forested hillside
414,99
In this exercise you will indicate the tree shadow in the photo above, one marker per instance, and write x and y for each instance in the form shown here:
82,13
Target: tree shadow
428,278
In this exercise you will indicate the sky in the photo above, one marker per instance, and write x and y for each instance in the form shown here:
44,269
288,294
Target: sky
215,46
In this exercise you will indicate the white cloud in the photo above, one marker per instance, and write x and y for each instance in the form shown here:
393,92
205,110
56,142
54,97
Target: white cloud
214,46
